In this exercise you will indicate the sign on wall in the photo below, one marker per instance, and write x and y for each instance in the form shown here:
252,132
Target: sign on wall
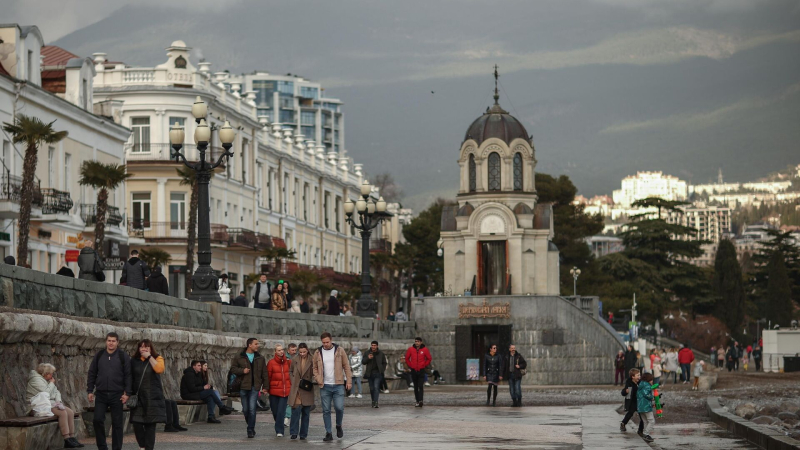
473,369
484,310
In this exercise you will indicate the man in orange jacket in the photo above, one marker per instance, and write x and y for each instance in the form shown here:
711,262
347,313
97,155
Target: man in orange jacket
417,359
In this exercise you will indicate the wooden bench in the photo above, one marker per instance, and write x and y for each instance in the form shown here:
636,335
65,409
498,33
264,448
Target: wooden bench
190,411
28,432
88,421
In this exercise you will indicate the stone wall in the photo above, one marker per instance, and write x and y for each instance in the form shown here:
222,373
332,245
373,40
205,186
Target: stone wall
585,356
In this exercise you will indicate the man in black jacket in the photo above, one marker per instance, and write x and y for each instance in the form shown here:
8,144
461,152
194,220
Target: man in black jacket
193,387
374,366
629,392
241,300
511,368
157,282
135,272
108,384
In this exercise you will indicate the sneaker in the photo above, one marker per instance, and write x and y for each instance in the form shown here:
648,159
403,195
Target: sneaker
411,384
358,396
418,405
213,420
427,384
287,421
69,443
279,434
294,436
386,391
648,438
251,435
411,388
302,438
339,432
328,437
622,427
351,396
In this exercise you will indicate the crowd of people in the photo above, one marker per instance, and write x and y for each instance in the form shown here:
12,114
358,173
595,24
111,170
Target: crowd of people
736,355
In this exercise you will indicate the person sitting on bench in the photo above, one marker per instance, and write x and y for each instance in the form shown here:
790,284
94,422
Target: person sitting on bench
193,387
43,380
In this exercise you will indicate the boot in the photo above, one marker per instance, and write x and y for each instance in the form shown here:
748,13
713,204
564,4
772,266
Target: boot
494,397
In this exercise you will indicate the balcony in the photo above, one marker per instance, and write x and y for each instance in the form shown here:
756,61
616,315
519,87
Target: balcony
89,215
380,246
11,195
55,201
242,238
148,152
172,231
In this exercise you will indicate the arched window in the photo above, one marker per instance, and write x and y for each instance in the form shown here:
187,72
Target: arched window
472,173
517,172
494,171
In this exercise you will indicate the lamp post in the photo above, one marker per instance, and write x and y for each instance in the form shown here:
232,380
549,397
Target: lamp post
204,280
370,214
575,272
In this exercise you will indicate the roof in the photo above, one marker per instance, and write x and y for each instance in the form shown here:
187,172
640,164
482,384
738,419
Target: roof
496,123
56,56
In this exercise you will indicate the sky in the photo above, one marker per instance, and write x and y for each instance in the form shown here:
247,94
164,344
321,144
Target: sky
606,87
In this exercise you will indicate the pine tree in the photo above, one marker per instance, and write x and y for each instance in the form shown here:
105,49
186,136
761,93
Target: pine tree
729,287
777,305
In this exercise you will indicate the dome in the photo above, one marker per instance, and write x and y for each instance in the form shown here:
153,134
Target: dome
496,123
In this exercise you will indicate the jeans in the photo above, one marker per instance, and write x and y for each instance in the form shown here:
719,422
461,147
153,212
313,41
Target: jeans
278,407
515,388
145,435
657,380
384,386
332,393
173,418
674,376
375,386
758,364
300,418
102,401
249,407
418,378
211,400
619,374
686,371
648,420
356,384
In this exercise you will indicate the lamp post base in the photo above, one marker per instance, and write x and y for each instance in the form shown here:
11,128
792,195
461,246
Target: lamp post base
366,306
204,286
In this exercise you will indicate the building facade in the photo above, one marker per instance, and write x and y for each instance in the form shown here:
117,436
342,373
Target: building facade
54,85
280,189
649,184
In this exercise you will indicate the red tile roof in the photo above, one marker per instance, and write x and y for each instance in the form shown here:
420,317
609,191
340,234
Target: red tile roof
56,56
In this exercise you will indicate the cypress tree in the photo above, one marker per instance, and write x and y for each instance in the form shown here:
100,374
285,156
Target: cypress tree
777,305
729,287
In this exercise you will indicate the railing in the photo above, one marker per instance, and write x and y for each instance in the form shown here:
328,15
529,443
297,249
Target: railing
89,215
287,269
242,238
380,245
162,152
55,201
12,190
167,231
138,76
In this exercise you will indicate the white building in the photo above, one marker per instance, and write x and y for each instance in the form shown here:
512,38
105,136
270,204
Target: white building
54,85
280,189
649,184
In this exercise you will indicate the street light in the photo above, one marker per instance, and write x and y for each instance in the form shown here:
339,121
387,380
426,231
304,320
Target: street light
369,215
575,272
204,280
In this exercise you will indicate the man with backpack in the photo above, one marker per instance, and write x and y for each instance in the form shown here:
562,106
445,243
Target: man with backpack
135,272
108,384
250,372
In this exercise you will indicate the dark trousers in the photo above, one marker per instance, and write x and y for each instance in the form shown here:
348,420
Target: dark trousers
758,365
406,376
418,378
686,372
210,397
300,419
103,400
173,418
628,416
145,435
384,386
736,364
278,407
375,386
619,373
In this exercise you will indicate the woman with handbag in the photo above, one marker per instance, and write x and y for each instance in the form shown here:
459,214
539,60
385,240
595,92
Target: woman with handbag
43,380
301,397
147,402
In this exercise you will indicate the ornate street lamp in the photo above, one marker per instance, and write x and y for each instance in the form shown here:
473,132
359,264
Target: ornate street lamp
204,280
370,214
575,272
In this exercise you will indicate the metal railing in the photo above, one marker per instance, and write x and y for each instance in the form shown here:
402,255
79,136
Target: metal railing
380,245
242,238
89,214
167,231
12,189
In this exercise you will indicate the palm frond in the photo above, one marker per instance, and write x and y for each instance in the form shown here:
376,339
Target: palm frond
31,130
100,175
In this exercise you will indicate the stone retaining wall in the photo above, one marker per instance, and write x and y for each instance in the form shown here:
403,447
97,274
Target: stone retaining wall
761,436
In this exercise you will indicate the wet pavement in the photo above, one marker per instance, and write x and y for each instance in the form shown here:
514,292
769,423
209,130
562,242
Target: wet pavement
593,427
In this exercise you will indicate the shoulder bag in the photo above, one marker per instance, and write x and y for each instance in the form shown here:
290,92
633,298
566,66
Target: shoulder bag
133,400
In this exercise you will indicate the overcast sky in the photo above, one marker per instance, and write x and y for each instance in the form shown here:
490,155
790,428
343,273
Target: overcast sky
606,87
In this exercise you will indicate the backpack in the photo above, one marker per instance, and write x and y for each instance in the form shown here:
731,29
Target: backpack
234,383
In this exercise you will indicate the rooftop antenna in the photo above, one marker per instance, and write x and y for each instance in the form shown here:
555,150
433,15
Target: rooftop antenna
496,92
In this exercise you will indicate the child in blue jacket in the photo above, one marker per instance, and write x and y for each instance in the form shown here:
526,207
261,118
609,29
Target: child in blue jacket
644,405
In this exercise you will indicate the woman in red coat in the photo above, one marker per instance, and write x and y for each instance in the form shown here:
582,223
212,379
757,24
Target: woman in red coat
280,385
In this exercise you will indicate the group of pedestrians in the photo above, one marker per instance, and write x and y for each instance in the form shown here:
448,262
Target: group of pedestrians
512,367
662,363
736,355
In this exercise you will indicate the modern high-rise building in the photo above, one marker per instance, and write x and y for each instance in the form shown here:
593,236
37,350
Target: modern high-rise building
649,184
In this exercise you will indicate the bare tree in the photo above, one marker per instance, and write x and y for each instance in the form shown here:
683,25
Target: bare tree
389,189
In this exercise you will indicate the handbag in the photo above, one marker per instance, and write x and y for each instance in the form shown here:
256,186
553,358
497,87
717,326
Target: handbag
133,400
306,385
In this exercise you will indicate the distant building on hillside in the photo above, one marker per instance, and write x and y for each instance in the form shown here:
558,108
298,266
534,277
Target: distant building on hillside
649,184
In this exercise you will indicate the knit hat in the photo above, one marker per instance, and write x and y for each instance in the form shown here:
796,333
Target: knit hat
354,349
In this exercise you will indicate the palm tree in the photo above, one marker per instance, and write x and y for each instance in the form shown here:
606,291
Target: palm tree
154,257
104,177
189,178
32,132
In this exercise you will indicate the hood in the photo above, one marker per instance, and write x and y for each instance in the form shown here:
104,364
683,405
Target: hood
133,260
156,271
189,370
35,374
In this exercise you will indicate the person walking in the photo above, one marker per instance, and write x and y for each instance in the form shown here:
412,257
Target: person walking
619,368
418,358
333,304
301,397
249,366
644,405
373,370
280,386
194,387
108,385
514,366
685,358
736,361
157,282
639,362
630,359
629,392
721,356
291,352
492,363
400,316
89,265
757,357
730,356
135,272
656,365
357,369
278,299
332,373
262,294
671,365
146,369
697,372
43,380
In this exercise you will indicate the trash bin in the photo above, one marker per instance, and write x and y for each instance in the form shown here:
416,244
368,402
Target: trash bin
791,363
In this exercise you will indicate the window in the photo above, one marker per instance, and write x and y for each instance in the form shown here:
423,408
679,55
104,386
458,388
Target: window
472,173
287,116
264,112
264,90
336,213
30,66
494,171
245,159
517,172
259,188
269,188
285,194
177,210
286,87
309,92
141,134
67,171
51,164
305,202
308,117
325,209
141,210
309,132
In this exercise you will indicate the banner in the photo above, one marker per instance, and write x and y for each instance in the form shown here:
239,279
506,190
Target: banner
473,369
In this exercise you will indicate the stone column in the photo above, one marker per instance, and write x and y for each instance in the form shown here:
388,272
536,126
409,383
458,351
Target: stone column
161,198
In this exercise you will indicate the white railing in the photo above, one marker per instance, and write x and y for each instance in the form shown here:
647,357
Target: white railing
138,76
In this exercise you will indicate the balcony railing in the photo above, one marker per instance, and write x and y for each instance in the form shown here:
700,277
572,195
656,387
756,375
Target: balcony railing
171,231
162,152
56,201
240,237
12,190
380,245
89,215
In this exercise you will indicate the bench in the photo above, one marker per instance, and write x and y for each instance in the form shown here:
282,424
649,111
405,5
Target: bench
28,432
88,421
190,411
